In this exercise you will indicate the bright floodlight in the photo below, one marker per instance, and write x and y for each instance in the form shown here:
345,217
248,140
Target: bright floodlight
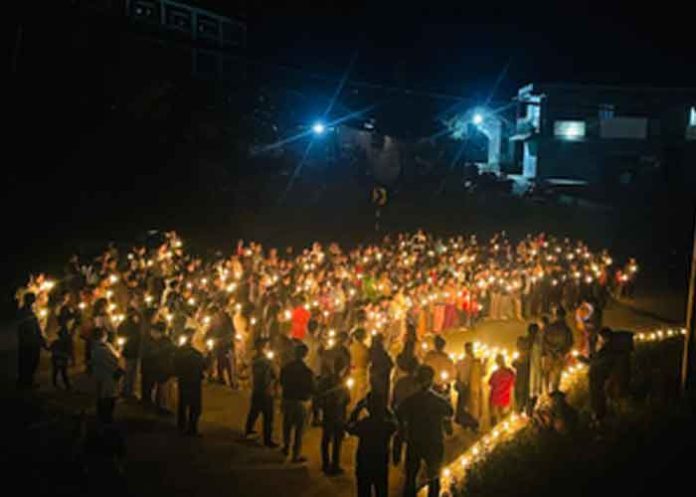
478,119
318,128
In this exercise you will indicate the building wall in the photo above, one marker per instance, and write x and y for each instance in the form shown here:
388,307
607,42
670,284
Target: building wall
624,130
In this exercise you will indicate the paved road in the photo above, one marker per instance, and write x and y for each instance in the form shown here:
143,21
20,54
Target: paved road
222,463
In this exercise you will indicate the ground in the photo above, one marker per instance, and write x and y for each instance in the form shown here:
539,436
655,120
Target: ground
159,461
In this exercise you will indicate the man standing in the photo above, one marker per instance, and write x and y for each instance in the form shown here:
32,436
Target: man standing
405,386
333,397
130,330
264,379
151,353
380,369
106,372
189,367
372,456
222,332
602,363
502,382
441,364
30,340
360,358
558,340
468,386
423,416
297,381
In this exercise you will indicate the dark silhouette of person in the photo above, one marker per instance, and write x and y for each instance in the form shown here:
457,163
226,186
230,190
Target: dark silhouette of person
380,368
333,397
372,455
222,332
297,381
423,416
189,368
30,340
264,379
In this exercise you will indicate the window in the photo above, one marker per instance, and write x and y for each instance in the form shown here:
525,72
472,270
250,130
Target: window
569,130
691,128
606,111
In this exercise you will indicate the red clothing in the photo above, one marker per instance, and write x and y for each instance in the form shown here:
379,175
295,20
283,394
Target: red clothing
502,382
300,319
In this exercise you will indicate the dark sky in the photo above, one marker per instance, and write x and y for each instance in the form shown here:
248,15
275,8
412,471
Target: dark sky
462,47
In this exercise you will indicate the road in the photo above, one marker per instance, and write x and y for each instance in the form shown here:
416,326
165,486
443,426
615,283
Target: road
159,461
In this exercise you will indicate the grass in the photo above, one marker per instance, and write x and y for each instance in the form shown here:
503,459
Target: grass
644,447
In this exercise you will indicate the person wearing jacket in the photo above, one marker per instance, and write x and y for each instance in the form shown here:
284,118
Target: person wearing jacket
372,455
189,368
333,397
297,381
106,372
423,417
264,377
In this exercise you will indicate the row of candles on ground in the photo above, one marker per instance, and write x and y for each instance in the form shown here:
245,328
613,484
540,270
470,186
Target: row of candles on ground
507,428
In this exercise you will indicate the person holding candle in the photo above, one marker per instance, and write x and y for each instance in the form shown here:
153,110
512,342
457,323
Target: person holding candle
441,364
189,368
501,383
106,371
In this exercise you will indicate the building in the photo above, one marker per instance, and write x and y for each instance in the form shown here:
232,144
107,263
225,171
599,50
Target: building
212,40
603,134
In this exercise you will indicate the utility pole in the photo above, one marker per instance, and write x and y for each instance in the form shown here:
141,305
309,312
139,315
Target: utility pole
688,373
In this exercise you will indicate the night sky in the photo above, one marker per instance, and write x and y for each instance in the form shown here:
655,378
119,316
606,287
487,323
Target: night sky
464,49
63,96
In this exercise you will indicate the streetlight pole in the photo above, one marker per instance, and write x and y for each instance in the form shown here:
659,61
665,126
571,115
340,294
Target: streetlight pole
688,373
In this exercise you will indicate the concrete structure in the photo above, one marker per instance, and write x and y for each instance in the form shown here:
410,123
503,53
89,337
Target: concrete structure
603,134
212,37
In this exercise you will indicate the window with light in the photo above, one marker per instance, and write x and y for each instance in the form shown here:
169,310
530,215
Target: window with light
569,130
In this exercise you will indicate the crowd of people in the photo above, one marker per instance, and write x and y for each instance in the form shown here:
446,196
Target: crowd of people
341,337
